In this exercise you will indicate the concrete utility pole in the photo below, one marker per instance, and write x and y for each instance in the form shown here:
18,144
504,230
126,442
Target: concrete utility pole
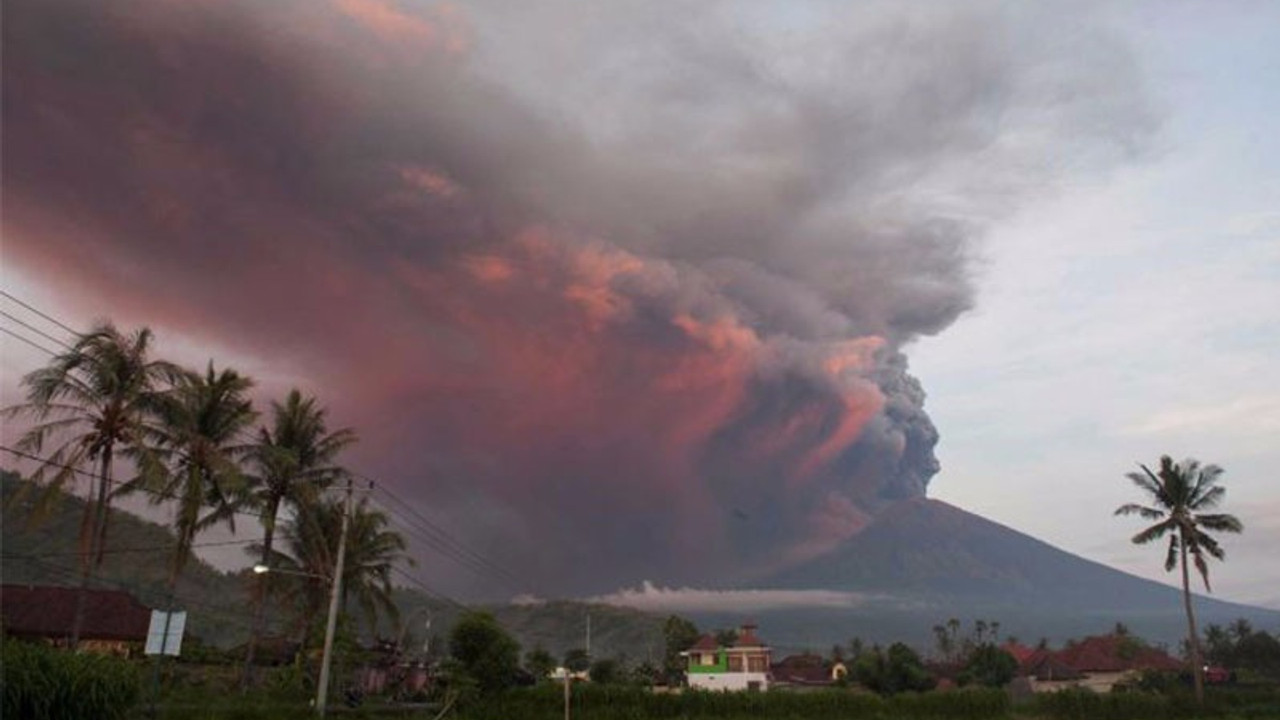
568,678
335,593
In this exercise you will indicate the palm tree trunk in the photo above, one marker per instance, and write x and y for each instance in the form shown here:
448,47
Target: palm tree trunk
93,553
104,503
260,611
1197,669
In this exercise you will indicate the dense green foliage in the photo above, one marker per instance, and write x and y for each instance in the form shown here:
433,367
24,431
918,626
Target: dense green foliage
539,663
485,653
45,683
577,660
988,665
888,672
1240,647
1083,704
678,634
607,671
620,702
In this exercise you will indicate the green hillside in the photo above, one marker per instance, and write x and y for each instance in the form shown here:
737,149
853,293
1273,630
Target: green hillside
44,552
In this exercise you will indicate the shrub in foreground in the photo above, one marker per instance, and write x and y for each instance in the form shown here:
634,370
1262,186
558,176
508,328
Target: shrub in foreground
42,683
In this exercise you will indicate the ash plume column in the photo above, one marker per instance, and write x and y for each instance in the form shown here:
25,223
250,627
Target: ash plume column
617,290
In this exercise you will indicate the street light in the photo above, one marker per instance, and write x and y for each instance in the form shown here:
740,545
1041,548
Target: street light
260,569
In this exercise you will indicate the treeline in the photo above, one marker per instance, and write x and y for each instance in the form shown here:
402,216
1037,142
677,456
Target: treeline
108,410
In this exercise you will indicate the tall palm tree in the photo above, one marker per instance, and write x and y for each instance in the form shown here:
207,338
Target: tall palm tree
1180,493
371,552
94,402
202,421
294,458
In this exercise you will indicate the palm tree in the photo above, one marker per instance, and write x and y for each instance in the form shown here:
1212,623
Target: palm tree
294,459
202,421
1180,493
371,552
95,401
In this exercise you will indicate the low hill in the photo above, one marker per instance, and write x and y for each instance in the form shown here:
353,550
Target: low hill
45,552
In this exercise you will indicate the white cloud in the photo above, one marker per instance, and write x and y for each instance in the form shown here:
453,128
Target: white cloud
654,598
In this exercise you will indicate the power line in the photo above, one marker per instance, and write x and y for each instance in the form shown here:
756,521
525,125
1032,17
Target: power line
51,319
441,540
416,532
32,343
115,551
421,527
426,589
50,462
34,329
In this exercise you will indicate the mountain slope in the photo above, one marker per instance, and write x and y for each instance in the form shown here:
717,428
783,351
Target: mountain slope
929,560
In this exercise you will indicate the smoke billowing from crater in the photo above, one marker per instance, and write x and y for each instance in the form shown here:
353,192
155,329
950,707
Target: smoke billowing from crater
624,293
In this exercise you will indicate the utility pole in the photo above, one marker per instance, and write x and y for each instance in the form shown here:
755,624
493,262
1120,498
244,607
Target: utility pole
568,678
335,593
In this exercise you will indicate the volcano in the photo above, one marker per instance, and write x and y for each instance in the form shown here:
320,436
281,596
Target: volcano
923,561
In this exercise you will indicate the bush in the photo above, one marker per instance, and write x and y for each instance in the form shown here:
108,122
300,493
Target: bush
42,682
484,651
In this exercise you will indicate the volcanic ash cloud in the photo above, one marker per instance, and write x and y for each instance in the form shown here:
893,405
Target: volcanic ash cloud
625,292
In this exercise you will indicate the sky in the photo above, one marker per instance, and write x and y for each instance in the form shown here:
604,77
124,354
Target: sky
685,293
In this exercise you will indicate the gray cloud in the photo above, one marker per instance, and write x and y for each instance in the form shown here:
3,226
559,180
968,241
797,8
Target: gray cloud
630,284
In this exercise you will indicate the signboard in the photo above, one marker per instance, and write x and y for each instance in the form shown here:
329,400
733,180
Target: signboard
157,642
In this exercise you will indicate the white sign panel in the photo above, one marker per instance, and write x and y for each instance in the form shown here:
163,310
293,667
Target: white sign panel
156,638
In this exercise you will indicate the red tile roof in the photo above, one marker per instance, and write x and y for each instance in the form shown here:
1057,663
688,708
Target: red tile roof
1114,653
49,612
706,643
806,669
747,637
1019,652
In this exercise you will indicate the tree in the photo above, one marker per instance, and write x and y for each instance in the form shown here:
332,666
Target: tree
294,458
577,660
1179,493
856,647
945,642
539,663
680,634
484,651
645,674
726,637
899,669
312,547
988,665
95,401
607,671
201,421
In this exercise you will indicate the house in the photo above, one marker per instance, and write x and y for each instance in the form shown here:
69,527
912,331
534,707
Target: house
1097,663
113,620
742,666
807,670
